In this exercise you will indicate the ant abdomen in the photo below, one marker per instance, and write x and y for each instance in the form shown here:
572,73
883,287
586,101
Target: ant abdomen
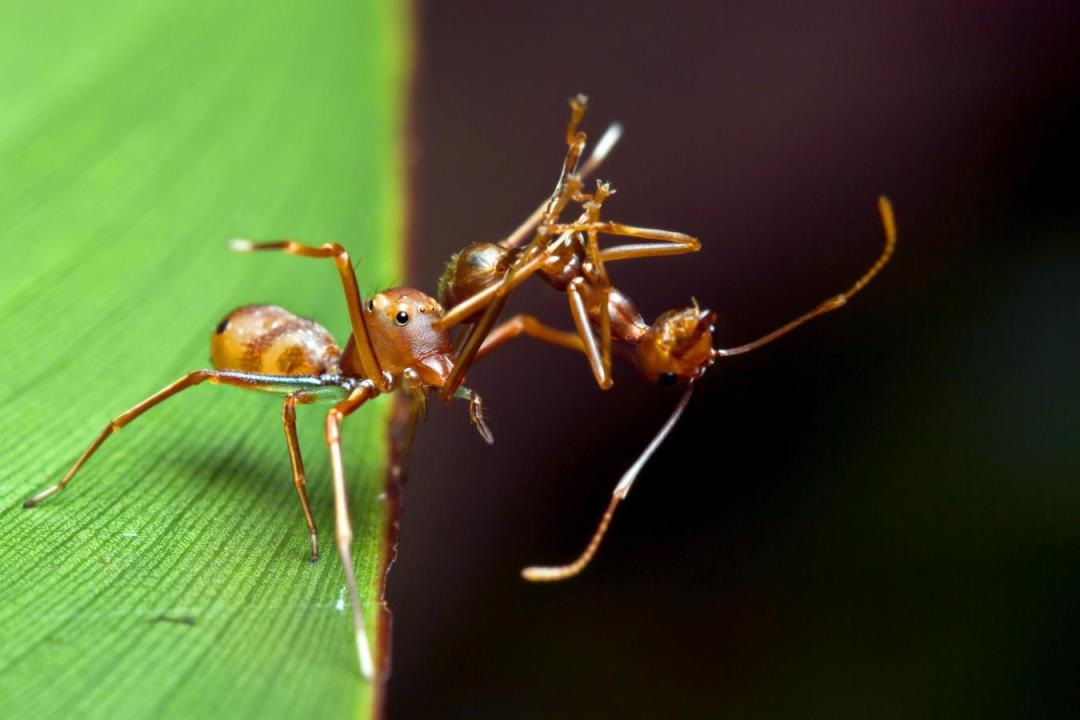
270,340
470,271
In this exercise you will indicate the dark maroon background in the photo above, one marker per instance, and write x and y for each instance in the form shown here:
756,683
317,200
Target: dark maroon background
876,517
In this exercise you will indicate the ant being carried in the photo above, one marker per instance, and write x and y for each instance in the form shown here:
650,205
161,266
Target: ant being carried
676,349
394,345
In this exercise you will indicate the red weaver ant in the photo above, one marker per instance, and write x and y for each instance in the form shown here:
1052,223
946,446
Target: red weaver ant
676,349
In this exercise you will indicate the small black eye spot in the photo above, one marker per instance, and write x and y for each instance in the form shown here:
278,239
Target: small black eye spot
667,379
222,325
371,305
401,318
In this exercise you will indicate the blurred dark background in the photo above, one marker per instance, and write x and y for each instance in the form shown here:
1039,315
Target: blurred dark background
877,516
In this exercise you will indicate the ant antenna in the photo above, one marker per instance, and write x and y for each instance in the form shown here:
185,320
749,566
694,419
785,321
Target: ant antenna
552,573
888,223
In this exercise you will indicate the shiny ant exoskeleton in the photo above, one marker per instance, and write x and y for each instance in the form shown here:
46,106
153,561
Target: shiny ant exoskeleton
676,349
394,345
479,278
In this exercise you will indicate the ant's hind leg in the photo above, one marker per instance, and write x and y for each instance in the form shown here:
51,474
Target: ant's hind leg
190,380
288,419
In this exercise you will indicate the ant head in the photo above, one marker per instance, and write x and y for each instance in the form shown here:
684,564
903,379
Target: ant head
475,268
678,347
400,323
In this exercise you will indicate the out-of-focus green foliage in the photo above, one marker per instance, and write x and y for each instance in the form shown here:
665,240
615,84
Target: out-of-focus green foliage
171,579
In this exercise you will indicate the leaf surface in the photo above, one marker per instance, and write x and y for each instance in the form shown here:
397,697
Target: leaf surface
171,579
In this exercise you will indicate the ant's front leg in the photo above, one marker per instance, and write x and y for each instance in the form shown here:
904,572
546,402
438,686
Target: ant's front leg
369,363
598,351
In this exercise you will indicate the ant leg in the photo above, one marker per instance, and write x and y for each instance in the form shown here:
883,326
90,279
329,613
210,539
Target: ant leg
365,350
190,380
599,154
529,325
408,437
597,276
343,528
567,184
598,352
533,256
551,573
575,141
669,241
288,419
837,301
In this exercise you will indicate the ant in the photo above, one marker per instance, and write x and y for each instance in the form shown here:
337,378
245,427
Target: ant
568,256
676,349
394,344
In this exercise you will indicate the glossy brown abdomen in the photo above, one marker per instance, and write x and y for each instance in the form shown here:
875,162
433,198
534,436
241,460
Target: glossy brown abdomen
471,271
270,340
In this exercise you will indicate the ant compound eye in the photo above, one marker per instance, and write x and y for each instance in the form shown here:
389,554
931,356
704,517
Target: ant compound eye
371,305
667,379
402,318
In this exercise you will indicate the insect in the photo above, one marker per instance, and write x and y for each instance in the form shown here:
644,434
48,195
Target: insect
394,344
479,279
676,349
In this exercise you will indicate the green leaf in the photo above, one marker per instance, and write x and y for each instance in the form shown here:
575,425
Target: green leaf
172,579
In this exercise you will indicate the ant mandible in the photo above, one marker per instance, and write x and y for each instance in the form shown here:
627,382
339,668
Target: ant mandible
394,344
